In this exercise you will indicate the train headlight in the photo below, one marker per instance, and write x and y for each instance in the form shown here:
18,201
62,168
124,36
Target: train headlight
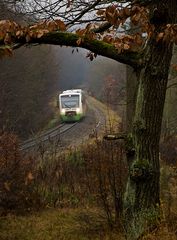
78,110
63,111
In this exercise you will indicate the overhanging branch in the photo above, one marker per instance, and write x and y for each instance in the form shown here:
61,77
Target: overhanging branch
99,47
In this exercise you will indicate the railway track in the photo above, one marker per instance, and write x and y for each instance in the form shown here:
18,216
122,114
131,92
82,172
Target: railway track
46,136
71,134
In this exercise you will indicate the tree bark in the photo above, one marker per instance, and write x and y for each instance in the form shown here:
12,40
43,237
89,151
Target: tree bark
142,193
131,89
141,202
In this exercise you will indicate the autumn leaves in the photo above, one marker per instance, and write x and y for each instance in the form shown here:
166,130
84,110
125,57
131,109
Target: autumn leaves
11,32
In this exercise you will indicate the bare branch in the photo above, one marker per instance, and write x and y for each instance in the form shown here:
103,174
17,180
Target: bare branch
86,10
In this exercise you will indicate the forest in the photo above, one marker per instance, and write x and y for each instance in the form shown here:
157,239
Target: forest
123,187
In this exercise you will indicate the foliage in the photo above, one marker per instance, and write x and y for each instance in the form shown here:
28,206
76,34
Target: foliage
16,176
93,175
11,31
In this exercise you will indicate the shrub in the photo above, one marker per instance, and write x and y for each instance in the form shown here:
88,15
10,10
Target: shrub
15,175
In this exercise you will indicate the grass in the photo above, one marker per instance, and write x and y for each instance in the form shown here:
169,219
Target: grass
68,224
112,118
88,223
57,224
161,233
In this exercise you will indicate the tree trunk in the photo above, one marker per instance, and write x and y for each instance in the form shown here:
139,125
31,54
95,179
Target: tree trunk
142,193
131,86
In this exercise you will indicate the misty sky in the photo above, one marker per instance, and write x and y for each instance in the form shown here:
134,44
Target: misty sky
76,70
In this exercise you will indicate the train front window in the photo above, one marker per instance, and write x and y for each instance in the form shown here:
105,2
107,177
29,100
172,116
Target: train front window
70,101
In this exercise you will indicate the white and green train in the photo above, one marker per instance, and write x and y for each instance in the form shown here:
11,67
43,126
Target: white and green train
72,105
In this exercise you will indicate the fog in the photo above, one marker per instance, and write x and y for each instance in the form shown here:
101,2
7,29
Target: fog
31,79
74,67
76,70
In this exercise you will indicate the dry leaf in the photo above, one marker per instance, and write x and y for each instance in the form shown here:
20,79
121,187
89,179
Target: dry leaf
7,186
79,41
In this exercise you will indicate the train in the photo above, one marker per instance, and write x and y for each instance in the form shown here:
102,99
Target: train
72,105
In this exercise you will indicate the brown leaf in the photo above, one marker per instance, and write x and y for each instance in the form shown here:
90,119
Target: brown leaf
138,39
19,33
33,27
135,18
160,36
135,9
126,46
127,12
121,14
79,41
3,22
60,24
40,33
100,12
81,32
32,34
30,176
7,39
112,15
118,46
108,39
52,26
7,186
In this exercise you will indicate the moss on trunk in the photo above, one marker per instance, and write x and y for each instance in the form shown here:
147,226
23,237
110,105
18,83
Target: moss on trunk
141,202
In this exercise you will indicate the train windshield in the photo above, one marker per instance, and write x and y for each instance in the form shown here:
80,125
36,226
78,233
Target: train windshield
70,101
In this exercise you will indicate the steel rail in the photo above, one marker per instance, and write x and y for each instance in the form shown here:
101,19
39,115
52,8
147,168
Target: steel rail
46,136
50,134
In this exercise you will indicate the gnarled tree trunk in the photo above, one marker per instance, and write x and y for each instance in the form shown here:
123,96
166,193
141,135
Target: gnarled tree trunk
142,193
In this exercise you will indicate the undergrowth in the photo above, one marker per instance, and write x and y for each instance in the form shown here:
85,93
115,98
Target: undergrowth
57,224
78,193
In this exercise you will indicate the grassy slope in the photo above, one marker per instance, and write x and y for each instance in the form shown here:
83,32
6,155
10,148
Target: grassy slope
68,224
113,120
55,224
78,224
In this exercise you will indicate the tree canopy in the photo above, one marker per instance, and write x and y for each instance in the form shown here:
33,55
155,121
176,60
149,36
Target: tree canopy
95,25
